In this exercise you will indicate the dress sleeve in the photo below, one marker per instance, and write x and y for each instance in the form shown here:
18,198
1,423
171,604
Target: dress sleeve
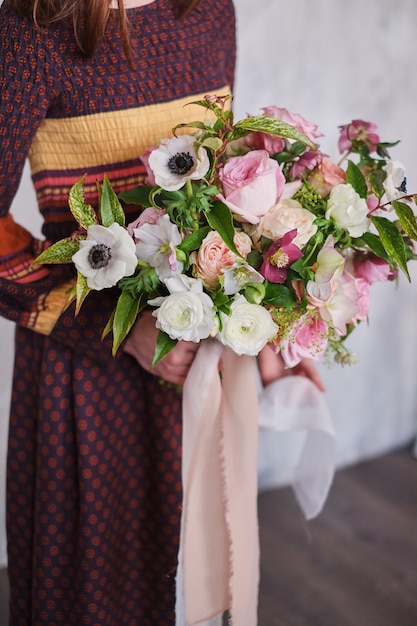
35,296
26,90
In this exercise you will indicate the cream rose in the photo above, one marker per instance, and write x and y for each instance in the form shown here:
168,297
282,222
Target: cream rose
286,216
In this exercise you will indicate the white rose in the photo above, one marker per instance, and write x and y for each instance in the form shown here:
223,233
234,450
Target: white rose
248,327
187,313
285,216
348,210
105,256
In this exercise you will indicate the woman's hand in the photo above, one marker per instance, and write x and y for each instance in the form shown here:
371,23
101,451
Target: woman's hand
271,367
141,343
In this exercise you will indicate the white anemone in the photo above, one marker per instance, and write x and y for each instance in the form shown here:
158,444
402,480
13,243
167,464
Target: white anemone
105,256
177,161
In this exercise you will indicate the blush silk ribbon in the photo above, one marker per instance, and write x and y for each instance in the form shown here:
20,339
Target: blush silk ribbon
218,559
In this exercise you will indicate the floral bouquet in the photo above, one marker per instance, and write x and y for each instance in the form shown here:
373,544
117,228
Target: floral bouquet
248,233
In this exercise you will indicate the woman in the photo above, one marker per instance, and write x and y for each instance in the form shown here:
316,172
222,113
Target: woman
94,482
94,490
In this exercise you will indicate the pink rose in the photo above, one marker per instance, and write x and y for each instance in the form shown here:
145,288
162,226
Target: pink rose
326,176
214,257
306,339
251,184
358,130
372,269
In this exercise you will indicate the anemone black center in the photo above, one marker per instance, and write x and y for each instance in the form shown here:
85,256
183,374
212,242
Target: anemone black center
180,163
99,256
403,186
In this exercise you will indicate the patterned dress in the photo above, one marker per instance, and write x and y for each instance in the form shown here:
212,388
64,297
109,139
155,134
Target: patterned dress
94,483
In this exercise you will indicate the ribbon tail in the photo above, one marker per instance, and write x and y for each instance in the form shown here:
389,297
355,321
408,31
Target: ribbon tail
240,454
204,569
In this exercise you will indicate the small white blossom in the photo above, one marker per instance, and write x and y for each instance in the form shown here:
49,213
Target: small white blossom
105,256
238,276
187,313
177,161
247,329
155,244
348,210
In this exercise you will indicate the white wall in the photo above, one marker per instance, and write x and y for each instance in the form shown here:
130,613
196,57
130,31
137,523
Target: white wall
332,61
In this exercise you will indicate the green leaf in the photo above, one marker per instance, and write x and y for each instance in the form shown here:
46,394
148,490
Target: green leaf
270,125
212,143
60,252
407,218
164,345
199,125
392,241
193,240
83,212
220,219
375,244
81,291
110,208
355,177
138,195
376,179
279,295
125,315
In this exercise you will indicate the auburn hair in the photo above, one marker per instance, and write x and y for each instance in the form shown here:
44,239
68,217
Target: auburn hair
89,17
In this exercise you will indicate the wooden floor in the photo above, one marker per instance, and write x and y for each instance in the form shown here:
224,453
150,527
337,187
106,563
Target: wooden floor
355,565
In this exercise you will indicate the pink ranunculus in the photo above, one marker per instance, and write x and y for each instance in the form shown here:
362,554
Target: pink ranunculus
358,130
214,257
372,268
251,185
326,176
306,339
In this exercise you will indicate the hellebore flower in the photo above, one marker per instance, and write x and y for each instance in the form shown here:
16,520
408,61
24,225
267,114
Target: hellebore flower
280,256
